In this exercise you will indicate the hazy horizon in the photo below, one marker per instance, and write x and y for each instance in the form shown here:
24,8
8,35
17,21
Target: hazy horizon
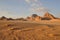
23,8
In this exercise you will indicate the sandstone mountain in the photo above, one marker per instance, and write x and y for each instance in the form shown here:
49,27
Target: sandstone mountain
34,17
48,16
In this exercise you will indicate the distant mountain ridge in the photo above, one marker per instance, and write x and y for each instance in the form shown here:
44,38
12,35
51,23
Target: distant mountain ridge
47,16
33,17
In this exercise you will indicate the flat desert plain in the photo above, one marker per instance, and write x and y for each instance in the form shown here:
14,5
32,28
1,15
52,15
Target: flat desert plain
27,30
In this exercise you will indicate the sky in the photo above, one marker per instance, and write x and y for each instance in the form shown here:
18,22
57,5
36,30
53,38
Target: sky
24,8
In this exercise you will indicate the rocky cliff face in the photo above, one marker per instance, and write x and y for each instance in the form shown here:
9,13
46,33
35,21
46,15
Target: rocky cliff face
48,15
34,17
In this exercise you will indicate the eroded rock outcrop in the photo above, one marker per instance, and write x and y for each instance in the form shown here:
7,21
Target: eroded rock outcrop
3,18
34,17
48,16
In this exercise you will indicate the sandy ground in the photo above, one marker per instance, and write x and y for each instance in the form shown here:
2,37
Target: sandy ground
21,30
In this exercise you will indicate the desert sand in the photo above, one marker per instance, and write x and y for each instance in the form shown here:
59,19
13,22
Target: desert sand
27,30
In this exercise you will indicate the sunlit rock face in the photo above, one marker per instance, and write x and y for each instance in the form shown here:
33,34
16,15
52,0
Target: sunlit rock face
29,18
49,16
38,18
34,17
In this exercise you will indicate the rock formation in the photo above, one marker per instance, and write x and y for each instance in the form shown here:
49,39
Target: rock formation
34,17
38,18
29,18
3,18
48,16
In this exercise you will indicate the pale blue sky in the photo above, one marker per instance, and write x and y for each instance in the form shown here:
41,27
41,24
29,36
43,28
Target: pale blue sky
23,8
